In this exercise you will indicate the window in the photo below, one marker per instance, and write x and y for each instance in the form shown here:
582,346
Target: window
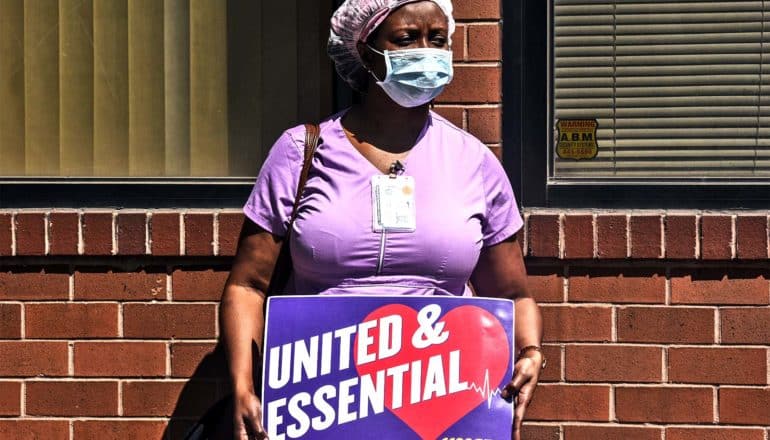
644,103
151,92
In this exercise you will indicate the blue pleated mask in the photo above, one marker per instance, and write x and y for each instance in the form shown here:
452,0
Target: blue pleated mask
415,76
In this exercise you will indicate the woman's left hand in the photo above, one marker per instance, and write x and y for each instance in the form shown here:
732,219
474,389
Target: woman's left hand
522,387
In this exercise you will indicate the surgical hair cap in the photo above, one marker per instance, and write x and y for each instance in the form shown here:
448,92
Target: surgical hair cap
354,21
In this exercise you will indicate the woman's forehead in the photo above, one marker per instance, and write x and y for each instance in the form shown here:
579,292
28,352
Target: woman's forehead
417,13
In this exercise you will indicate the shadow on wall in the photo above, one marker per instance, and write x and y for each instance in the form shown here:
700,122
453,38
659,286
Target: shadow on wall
208,387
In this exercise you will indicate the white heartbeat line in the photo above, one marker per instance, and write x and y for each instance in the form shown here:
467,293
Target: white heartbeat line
485,390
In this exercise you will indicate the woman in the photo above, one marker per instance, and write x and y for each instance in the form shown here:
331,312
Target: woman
397,52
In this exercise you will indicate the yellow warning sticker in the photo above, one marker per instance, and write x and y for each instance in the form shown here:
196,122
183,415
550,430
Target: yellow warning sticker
577,139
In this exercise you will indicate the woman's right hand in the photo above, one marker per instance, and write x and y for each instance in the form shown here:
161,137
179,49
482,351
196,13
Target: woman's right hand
247,414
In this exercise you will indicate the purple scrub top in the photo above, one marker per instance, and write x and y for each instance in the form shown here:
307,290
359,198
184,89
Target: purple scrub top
464,202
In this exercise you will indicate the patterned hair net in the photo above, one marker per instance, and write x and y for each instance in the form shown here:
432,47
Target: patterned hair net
354,21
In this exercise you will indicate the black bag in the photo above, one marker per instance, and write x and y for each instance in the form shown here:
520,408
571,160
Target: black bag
217,422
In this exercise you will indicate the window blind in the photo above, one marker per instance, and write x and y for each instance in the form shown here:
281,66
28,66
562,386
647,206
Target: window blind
155,88
680,89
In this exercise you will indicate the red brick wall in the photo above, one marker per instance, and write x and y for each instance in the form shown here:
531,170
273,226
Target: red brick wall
656,323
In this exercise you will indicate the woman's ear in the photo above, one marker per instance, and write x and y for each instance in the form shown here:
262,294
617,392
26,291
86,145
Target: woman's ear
366,55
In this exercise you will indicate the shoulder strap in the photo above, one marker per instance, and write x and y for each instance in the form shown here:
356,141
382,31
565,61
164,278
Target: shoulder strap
312,136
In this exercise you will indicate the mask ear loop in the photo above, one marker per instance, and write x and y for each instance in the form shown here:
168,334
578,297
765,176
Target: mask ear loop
387,63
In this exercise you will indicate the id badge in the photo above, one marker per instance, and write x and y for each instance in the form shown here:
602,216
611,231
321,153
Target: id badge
393,206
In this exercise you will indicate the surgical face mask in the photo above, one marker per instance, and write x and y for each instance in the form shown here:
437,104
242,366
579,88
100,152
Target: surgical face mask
415,76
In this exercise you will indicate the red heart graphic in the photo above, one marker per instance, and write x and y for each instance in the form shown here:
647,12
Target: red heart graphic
467,325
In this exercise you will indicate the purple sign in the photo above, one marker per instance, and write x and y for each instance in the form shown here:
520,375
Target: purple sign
428,367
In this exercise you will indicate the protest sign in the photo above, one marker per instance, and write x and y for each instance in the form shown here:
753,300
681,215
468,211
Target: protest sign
387,367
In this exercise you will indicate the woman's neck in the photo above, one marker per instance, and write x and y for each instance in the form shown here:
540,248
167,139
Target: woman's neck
384,124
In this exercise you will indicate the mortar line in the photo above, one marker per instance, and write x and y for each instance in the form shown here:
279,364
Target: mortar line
120,398
733,237
562,245
215,227
46,235
628,236
147,244
698,236
120,319
595,232
181,233
23,321
114,250
81,245
665,365
168,360
662,253
13,233
71,359
23,399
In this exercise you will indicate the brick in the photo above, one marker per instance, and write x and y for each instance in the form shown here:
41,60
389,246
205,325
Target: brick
568,324
199,234
120,359
200,360
573,432
611,240
745,325
458,44
30,233
665,325
32,285
737,366
156,398
70,320
751,237
744,406
664,404
164,234
646,234
579,236
613,363
10,321
477,9
714,434
716,237
455,115
6,235
570,402
681,236
10,398
33,358
229,231
63,233
198,285
97,233
474,84
719,287
486,124
552,372
34,429
124,286
118,429
484,42
72,398
543,236
193,321
633,286
545,284
497,150
131,233
540,432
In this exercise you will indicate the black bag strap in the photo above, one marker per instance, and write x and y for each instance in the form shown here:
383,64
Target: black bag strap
283,265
